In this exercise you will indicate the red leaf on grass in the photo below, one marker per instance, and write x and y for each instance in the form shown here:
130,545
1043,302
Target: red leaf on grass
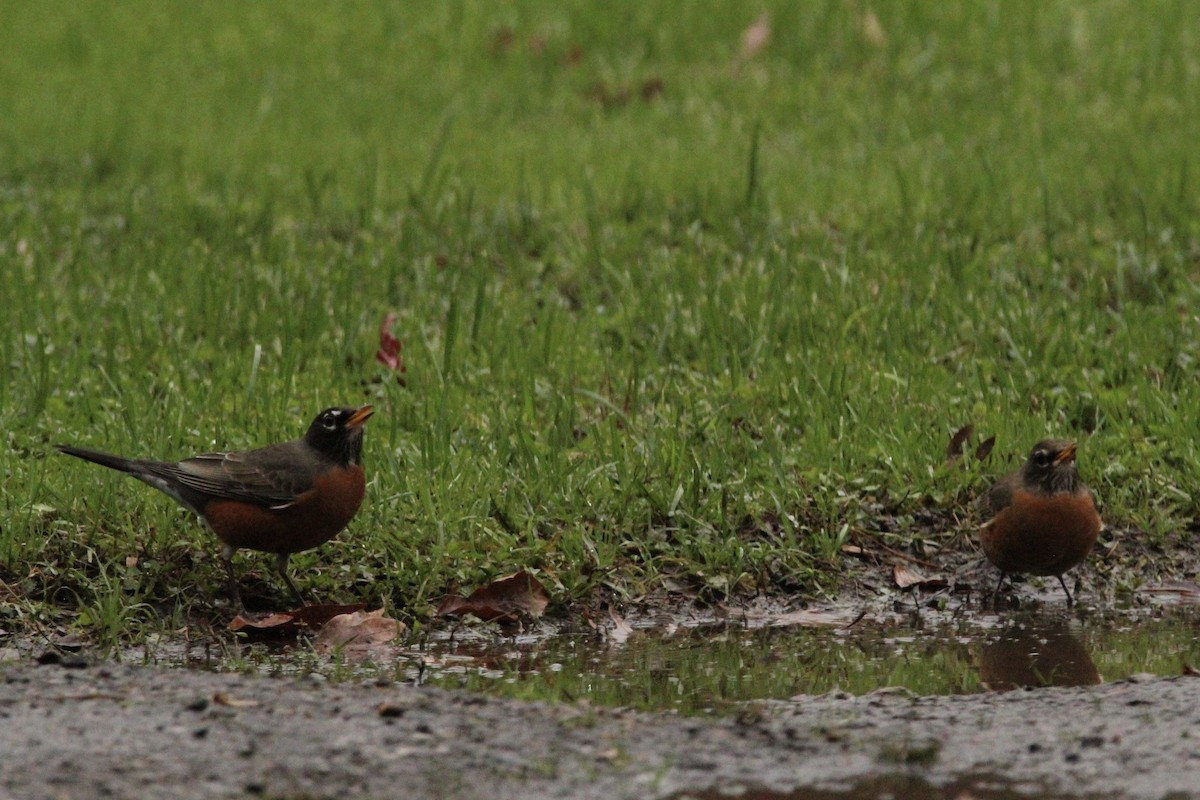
505,599
357,632
291,623
388,353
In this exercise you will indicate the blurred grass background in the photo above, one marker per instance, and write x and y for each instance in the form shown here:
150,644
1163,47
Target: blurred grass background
689,293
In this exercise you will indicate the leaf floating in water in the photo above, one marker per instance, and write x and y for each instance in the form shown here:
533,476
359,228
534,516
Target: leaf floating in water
507,599
358,632
1182,591
619,631
811,618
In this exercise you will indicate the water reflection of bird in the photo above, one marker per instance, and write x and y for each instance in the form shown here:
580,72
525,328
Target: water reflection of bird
1043,519
1035,653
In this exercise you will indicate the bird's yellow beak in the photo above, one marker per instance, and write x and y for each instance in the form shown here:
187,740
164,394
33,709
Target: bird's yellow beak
1064,455
364,414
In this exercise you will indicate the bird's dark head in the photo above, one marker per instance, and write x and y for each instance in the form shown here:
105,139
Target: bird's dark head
1050,467
338,432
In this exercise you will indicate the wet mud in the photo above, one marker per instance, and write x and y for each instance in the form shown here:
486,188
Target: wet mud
69,729
917,692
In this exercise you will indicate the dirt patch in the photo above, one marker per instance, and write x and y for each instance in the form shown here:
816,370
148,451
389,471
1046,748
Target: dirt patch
85,731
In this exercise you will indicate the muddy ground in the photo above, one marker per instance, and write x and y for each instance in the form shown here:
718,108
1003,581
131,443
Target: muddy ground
74,727
70,729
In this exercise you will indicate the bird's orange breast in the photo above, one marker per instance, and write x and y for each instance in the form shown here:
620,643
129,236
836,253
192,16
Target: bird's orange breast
1041,535
314,518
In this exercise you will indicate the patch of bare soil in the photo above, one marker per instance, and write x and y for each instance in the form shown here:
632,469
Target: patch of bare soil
71,730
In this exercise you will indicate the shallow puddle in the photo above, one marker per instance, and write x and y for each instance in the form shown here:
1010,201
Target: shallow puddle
708,668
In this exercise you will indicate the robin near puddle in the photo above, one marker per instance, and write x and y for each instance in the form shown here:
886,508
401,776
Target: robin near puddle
280,499
1043,519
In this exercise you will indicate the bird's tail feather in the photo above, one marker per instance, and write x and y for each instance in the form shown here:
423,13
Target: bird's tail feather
103,459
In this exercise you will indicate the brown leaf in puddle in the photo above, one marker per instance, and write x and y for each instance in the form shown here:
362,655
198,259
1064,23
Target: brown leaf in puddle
1184,592
906,578
809,617
291,623
620,630
505,599
958,441
756,37
360,630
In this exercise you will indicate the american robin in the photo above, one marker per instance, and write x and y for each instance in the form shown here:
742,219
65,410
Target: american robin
279,499
1043,518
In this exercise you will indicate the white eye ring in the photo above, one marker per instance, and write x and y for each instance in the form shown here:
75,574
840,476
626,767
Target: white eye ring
329,423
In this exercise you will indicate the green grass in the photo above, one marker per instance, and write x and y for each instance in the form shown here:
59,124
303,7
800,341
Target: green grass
704,334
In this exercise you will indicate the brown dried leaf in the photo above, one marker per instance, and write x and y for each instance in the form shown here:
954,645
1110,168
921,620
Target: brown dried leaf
506,599
872,31
1184,592
574,56
755,38
906,578
811,618
359,631
985,448
652,88
620,631
502,40
958,441
291,623
223,699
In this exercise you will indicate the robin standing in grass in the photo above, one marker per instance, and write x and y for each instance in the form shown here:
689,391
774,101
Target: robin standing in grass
279,499
1043,519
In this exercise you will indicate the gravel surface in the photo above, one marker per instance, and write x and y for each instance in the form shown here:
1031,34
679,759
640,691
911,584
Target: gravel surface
74,730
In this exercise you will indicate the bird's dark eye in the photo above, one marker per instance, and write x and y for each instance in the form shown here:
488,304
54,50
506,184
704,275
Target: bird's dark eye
1042,458
329,422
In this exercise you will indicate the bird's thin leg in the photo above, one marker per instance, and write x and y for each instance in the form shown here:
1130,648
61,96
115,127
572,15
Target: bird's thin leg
234,593
996,591
281,564
1070,600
